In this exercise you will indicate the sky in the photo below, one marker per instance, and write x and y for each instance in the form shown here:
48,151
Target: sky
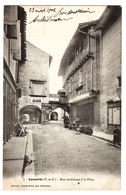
54,37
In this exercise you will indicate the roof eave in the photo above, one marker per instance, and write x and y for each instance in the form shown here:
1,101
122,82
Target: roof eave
109,12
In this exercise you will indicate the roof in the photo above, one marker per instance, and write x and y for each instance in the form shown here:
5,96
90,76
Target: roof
40,50
110,12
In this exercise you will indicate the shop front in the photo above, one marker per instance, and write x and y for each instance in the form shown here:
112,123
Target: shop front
114,115
87,110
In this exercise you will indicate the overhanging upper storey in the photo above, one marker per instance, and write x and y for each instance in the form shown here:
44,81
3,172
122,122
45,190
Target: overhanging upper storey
81,44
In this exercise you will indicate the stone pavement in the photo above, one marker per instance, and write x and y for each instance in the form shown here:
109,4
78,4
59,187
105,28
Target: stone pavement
13,156
103,136
97,134
63,153
16,148
29,170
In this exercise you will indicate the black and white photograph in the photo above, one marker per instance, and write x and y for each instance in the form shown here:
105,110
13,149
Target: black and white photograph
62,76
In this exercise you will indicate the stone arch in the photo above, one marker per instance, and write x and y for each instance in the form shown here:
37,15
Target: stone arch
34,113
65,107
54,116
60,111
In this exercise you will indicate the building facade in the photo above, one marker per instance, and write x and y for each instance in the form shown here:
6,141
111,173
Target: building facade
14,54
110,69
34,84
91,71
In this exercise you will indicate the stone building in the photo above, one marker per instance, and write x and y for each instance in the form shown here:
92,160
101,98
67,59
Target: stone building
14,54
91,71
34,84
57,112
110,68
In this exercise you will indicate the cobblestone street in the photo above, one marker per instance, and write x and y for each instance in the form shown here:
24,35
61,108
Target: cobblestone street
59,150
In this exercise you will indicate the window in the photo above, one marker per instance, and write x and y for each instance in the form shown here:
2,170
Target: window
81,46
69,87
114,116
80,77
86,82
110,115
38,88
92,44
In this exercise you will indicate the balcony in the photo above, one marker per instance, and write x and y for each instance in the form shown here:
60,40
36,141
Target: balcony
84,96
62,97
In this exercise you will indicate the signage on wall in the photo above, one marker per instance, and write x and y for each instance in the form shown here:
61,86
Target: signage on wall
46,107
36,100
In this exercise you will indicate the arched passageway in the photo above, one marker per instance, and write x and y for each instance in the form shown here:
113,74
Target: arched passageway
54,116
31,114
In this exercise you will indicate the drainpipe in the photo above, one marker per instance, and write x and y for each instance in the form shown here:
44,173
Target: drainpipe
85,33
91,75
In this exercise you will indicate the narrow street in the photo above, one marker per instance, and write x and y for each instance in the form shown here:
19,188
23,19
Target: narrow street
62,67
63,151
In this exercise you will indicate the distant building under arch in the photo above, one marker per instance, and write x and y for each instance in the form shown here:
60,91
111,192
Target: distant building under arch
54,116
33,112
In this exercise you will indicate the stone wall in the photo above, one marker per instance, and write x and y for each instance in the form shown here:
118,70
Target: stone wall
86,76
110,68
36,68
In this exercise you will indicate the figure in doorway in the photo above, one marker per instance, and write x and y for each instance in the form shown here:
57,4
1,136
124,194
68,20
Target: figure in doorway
116,137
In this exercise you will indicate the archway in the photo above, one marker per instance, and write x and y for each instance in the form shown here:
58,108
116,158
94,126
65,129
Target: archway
61,113
33,112
54,116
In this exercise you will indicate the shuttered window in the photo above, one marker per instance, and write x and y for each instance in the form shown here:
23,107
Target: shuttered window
114,113
38,88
